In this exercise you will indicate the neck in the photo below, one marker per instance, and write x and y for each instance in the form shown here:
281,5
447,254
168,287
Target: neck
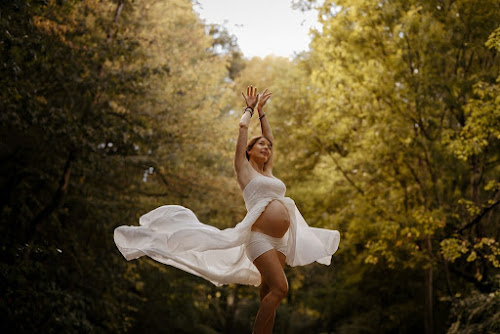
258,166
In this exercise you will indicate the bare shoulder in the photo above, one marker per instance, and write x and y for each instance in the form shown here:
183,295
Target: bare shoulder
245,174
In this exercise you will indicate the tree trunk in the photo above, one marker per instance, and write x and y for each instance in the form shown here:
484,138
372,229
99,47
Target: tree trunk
232,304
53,205
428,312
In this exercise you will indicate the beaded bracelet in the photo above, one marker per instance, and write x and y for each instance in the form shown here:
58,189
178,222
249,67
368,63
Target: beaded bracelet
249,109
261,117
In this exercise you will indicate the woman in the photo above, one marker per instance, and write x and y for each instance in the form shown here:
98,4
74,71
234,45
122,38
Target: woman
254,251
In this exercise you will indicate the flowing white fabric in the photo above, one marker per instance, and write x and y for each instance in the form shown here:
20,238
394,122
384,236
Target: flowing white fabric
172,235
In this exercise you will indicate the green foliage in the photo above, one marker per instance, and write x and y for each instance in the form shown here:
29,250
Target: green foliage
387,130
476,313
397,147
106,115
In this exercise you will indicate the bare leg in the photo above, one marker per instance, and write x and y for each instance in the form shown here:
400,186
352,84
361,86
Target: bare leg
264,290
273,289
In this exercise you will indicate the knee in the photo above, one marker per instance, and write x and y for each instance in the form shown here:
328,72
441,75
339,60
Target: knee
280,291
264,290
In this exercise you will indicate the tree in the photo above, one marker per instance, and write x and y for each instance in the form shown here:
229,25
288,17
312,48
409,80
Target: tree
396,89
106,114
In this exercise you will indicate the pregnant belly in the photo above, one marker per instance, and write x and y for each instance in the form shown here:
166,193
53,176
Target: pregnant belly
274,221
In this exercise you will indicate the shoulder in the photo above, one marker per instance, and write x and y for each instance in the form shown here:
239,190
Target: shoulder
268,171
245,174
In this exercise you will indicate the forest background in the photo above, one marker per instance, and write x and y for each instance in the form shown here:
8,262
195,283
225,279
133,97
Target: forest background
388,130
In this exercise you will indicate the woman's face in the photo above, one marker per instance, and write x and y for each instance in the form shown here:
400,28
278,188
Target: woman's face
261,150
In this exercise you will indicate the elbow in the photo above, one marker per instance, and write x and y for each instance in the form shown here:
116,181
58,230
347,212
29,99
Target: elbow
243,126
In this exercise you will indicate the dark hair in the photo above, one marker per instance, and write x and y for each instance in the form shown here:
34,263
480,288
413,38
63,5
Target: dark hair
252,142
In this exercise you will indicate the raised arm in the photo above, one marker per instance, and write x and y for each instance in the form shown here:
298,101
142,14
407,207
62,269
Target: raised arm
265,127
241,164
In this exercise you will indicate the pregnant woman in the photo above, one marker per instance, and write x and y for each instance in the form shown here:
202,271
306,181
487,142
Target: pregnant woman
254,251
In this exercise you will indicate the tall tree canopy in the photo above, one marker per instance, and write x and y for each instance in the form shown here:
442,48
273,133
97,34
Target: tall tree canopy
109,109
400,134
388,130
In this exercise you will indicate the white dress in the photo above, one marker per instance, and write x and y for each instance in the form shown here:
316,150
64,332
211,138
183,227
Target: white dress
172,235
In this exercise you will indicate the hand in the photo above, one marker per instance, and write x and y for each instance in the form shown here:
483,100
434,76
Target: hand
263,99
252,97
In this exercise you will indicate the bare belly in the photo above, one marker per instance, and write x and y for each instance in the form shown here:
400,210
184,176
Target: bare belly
274,221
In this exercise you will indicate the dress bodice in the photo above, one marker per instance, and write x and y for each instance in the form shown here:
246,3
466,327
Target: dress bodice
262,187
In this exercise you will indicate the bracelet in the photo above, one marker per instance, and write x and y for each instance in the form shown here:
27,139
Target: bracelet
261,117
249,109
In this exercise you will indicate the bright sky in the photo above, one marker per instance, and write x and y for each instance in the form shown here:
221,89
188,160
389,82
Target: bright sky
263,27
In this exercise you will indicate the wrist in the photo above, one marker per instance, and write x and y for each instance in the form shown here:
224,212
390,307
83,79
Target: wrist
249,110
245,119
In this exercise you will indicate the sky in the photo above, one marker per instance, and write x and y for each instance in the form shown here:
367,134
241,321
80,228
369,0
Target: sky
262,27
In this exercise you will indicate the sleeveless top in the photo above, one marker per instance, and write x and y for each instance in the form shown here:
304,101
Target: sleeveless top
173,235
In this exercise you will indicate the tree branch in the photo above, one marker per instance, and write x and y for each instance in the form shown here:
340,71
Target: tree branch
478,218
346,176
118,11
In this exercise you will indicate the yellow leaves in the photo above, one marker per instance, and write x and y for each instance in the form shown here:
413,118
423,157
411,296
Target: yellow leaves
454,248
494,40
117,108
414,10
41,99
492,185
53,28
491,246
471,207
410,233
429,221
472,256
485,242
139,286
493,258
370,259
50,26
482,124
380,249
298,281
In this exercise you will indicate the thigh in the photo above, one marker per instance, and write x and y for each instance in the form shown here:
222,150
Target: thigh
281,258
270,265
264,288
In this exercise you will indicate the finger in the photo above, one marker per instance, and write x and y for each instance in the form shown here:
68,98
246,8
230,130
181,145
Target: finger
248,90
264,92
242,94
264,98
